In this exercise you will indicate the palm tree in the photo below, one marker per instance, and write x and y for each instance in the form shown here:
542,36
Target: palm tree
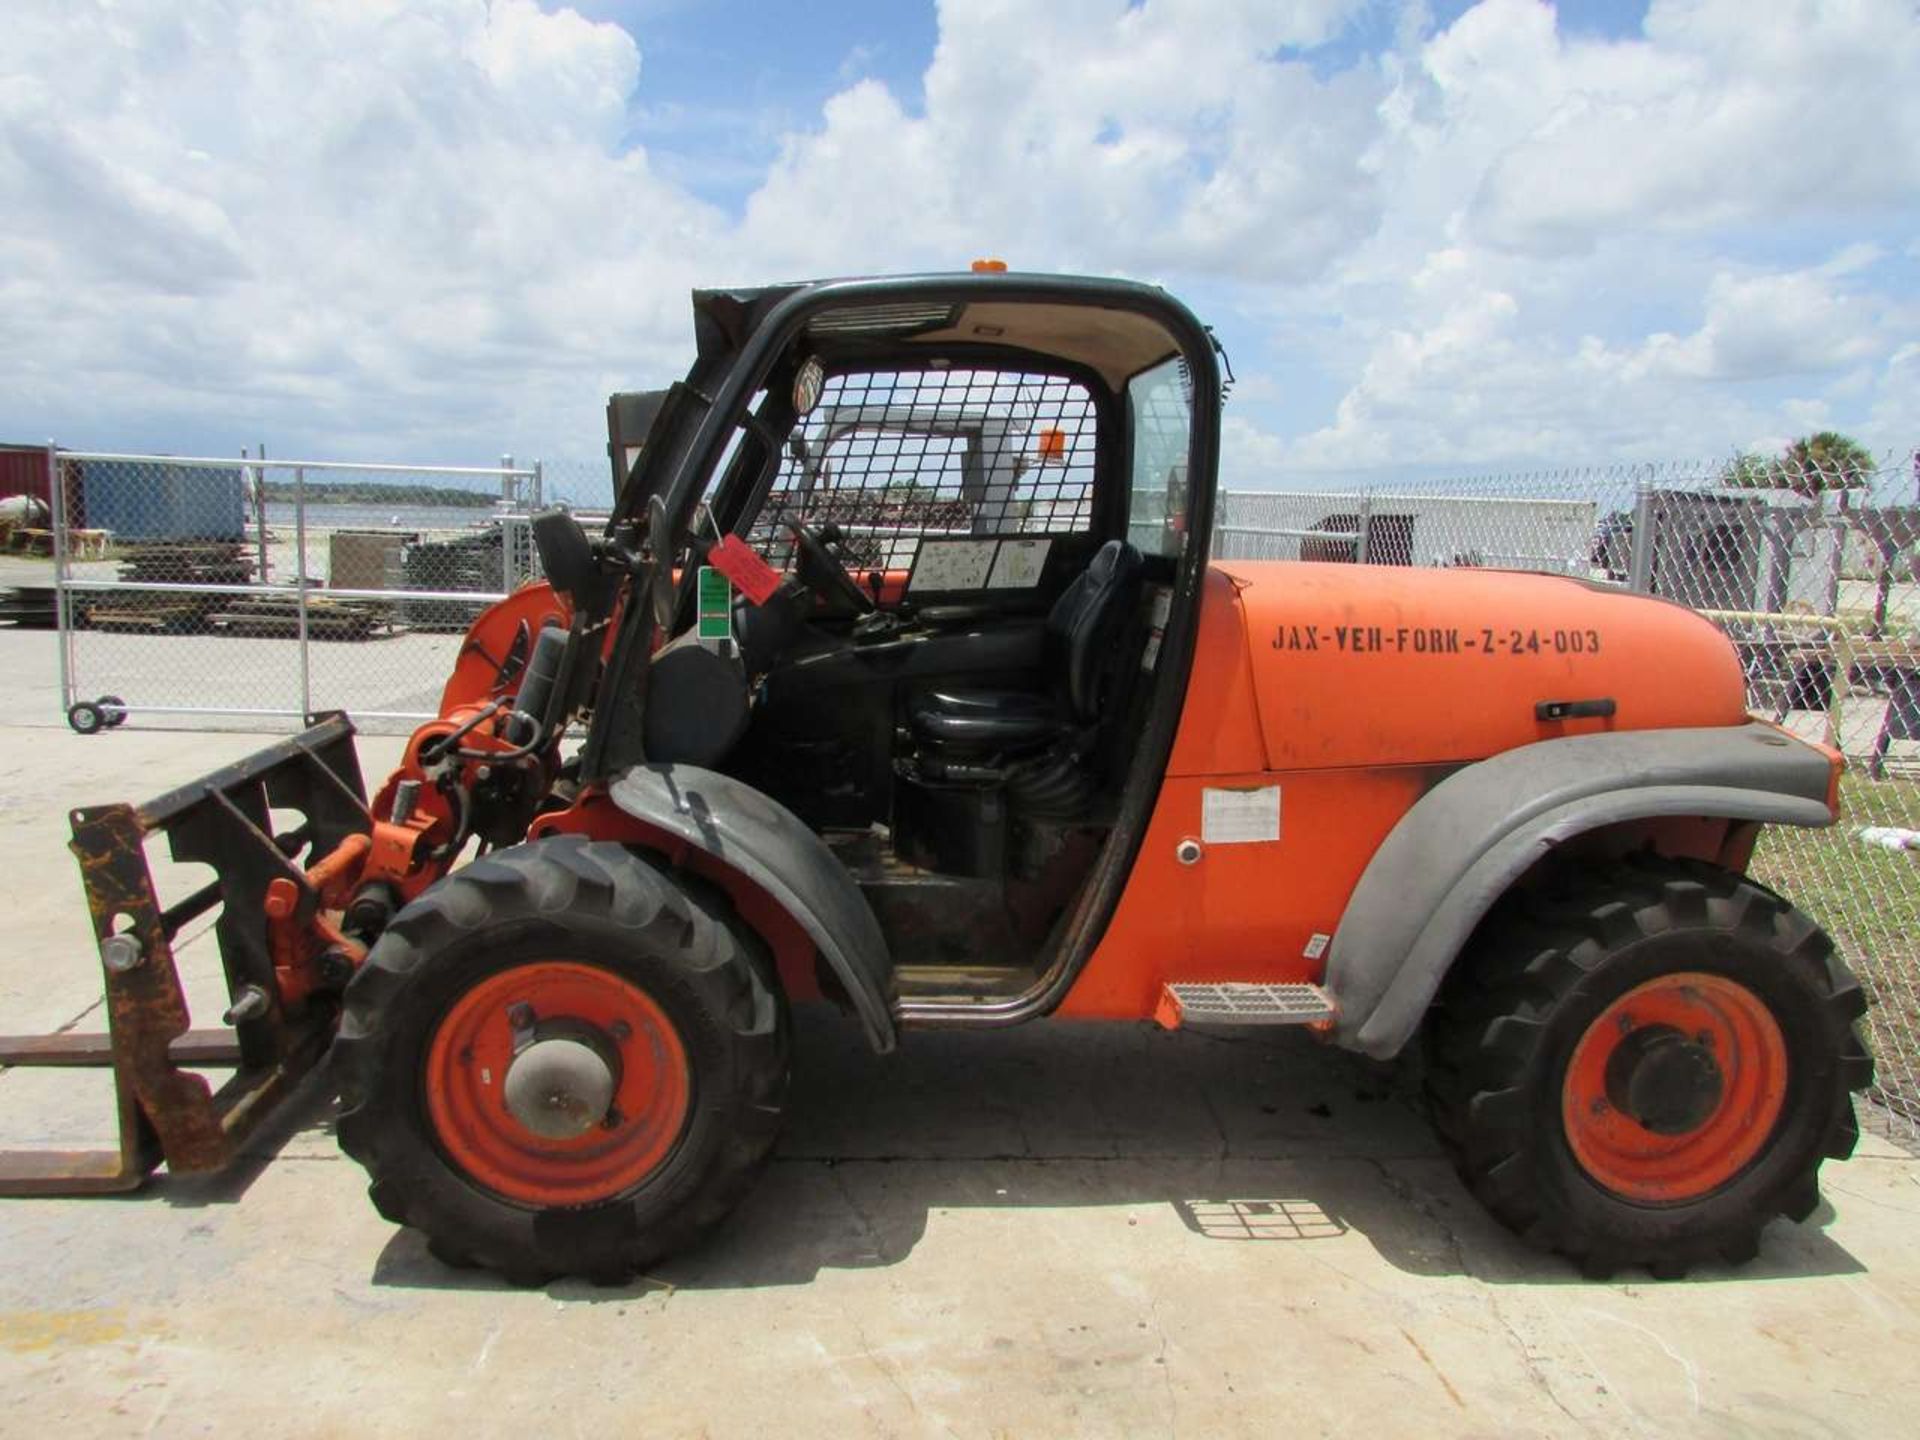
1810,466
1825,461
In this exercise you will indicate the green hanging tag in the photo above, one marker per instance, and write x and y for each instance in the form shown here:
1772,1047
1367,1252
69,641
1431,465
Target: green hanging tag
716,605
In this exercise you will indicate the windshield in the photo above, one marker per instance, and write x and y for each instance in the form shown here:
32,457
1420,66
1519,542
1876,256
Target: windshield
1160,415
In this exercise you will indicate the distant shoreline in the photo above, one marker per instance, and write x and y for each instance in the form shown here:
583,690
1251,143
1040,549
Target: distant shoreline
353,492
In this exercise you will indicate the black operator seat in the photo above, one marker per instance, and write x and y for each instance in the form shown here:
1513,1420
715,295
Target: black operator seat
1083,629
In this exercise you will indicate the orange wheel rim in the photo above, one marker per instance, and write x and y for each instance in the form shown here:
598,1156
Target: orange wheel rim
476,1044
1675,1088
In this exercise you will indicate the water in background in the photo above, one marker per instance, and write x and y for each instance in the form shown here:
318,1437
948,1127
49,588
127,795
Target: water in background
320,516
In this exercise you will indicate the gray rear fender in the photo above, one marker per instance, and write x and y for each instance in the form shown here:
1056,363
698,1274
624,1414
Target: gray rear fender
772,848
1465,842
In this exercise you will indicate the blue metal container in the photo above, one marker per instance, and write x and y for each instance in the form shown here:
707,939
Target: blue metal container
153,500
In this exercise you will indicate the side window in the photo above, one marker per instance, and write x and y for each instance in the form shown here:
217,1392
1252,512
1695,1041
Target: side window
895,456
1160,421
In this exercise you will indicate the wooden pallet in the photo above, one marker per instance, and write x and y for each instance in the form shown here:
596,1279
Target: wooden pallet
327,619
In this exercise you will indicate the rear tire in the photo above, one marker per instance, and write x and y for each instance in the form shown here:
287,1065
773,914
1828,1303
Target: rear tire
551,918
1541,1086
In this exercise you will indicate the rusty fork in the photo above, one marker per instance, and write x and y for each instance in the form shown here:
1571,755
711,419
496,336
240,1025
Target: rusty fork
166,1113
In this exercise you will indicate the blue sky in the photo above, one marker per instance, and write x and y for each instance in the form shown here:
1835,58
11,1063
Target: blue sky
1435,236
725,80
722,82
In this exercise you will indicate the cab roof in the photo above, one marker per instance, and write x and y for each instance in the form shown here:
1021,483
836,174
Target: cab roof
1065,321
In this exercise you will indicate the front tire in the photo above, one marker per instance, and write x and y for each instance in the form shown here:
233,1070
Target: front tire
1644,1062
561,1060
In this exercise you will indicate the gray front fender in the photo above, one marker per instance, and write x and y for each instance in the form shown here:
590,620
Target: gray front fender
773,848
1466,841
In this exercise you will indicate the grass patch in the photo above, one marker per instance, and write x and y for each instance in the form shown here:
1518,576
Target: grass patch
1868,899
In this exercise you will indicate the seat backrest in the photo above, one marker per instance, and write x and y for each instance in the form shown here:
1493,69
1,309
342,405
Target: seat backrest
1087,620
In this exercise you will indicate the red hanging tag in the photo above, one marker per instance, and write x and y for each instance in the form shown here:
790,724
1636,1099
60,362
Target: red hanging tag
741,564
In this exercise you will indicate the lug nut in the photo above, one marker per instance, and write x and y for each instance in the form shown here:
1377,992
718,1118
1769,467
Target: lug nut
1626,1024
121,953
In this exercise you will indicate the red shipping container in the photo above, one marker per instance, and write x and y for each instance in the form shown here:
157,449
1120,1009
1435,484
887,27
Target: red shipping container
23,471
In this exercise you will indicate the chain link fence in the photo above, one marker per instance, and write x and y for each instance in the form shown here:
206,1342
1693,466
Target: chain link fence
258,591
264,590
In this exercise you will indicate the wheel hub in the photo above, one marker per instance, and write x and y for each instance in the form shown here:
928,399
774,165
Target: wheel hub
1674,1088
559,1088
557,1083
1664,1080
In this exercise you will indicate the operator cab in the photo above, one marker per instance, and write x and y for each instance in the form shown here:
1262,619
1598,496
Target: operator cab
976,513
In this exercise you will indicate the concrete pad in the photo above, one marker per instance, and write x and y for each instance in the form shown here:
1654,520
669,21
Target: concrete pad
1055,1230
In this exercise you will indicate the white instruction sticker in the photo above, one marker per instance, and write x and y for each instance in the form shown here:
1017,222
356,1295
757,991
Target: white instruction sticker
1018,565
1316,945
940,565
1239,817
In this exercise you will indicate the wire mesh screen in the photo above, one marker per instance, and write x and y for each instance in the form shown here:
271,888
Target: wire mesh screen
891,457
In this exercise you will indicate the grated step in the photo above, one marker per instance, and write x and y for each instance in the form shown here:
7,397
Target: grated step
1195,1003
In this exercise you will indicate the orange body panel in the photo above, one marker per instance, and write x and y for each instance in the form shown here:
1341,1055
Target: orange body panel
1220,724
1241,912
1352,690
1373,665
475,677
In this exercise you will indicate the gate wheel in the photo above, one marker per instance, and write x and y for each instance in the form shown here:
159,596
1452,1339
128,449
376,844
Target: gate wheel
562,1060
1644,1062
86,718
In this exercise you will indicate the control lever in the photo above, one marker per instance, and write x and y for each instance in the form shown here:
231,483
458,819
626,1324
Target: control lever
876,625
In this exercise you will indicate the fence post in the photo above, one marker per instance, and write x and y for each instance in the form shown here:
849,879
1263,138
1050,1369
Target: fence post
62,601
1640,565
1365,542
507,488
260,513
1830,582
300,554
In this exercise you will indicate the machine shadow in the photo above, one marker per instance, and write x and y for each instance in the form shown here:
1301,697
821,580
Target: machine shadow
1249,1137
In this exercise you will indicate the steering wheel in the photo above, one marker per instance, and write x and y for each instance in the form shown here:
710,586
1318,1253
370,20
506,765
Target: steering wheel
826,567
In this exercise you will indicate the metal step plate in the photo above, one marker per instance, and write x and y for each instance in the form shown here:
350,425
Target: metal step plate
1193,1003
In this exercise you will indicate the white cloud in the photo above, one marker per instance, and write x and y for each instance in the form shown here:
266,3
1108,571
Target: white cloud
422,229
359,225
1724,114
1159,138
1578,256
1761,327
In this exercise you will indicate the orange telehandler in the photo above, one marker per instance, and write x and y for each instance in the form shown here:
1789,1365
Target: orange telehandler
900,676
